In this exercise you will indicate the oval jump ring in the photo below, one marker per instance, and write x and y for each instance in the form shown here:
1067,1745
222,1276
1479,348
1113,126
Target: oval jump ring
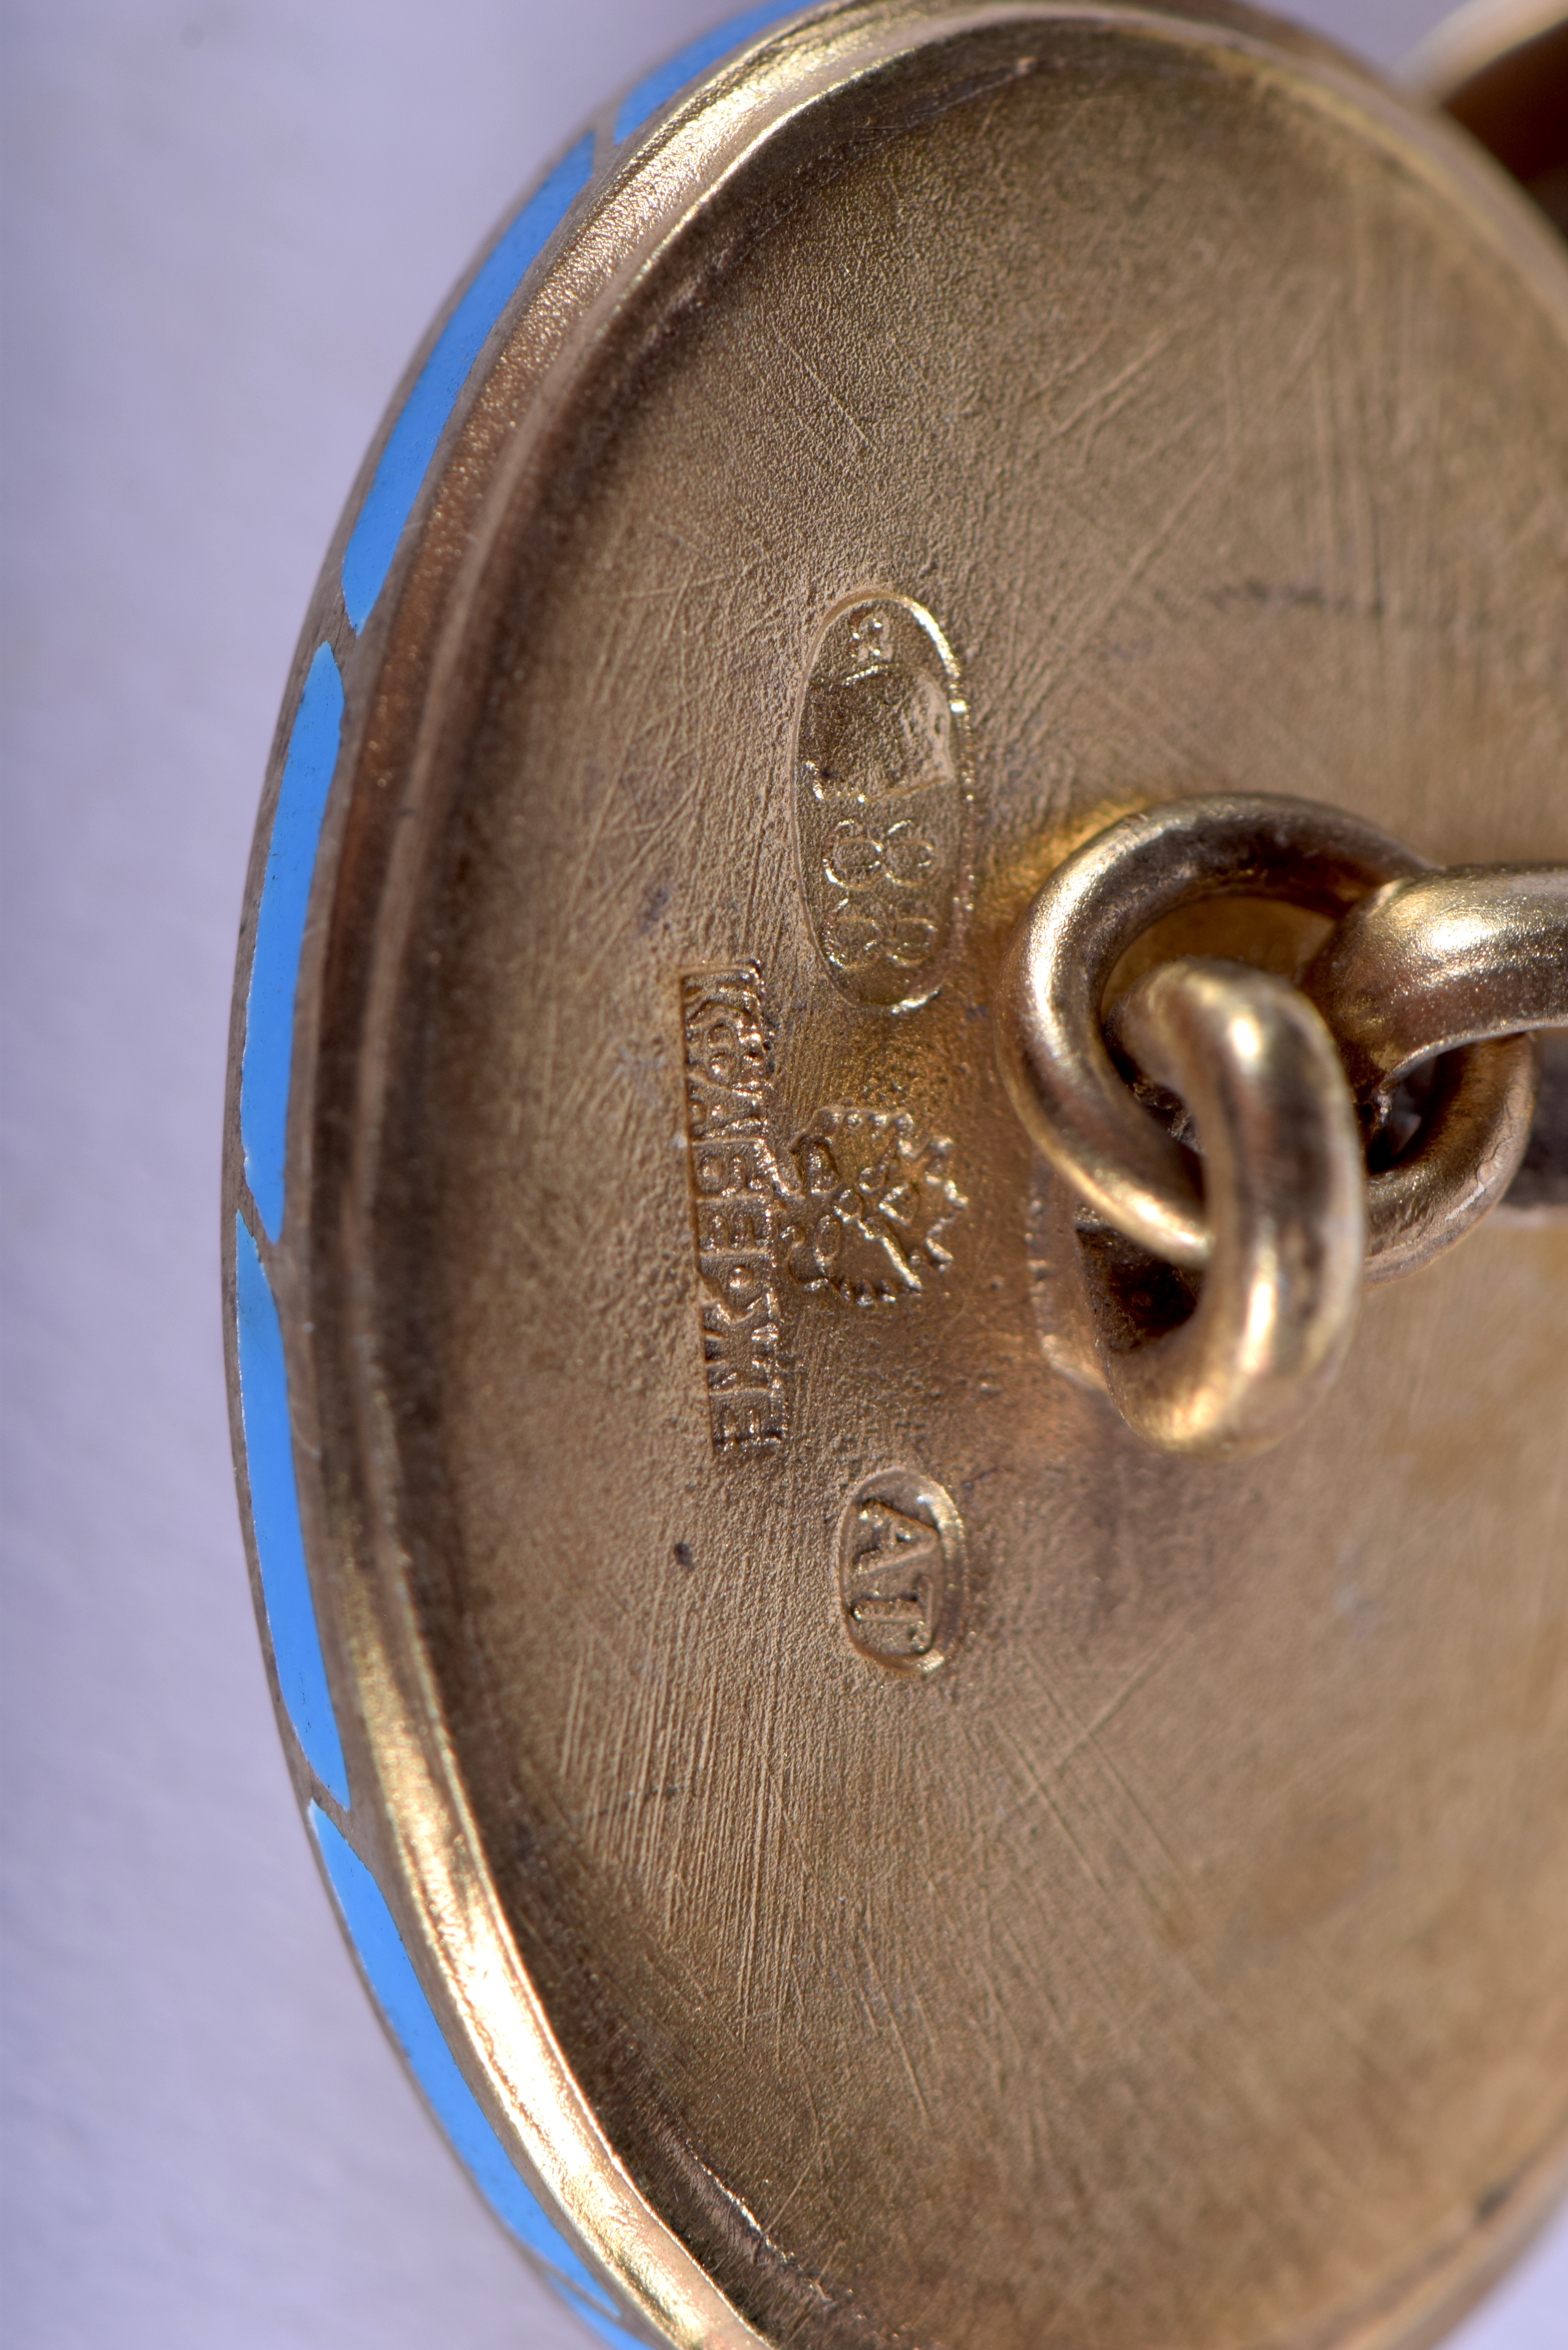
1257,1069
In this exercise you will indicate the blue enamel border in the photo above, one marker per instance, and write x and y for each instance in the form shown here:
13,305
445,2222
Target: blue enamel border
411,443
268,1052
275,1514
410,2020
668,80
266,1071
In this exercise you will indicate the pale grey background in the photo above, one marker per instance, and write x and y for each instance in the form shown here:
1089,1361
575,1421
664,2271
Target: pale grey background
226,226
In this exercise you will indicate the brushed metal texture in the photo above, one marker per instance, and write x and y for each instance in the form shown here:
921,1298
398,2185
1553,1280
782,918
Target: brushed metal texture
1181,1961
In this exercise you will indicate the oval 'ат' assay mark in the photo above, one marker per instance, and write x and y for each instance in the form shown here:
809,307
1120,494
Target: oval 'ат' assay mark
902,1572
882,800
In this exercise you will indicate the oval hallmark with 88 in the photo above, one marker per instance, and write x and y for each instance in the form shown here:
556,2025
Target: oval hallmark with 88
882,800
614,1268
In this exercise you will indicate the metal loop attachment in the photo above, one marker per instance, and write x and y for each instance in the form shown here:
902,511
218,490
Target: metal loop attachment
1256,1067
1420,964
1470,956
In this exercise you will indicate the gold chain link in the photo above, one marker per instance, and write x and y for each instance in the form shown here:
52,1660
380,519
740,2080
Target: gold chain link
1287,1089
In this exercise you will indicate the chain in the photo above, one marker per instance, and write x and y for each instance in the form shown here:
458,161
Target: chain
1255,1137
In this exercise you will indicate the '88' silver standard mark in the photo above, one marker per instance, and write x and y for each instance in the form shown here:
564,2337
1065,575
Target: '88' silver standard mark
882,800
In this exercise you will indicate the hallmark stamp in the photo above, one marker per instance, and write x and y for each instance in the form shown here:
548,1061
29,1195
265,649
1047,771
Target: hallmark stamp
874,1204
902,1572
882,801
734,1191
857,1207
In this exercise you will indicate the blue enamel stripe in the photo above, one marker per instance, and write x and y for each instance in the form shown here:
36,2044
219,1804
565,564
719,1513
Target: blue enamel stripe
274,1513
309,767
280,933
411,443
411,2021
666,81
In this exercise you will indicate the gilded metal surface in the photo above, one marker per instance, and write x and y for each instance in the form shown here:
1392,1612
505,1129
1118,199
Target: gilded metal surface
1241,1167
1446,959
1180,1961
882,801
1467,957
1095,908
1284,1196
